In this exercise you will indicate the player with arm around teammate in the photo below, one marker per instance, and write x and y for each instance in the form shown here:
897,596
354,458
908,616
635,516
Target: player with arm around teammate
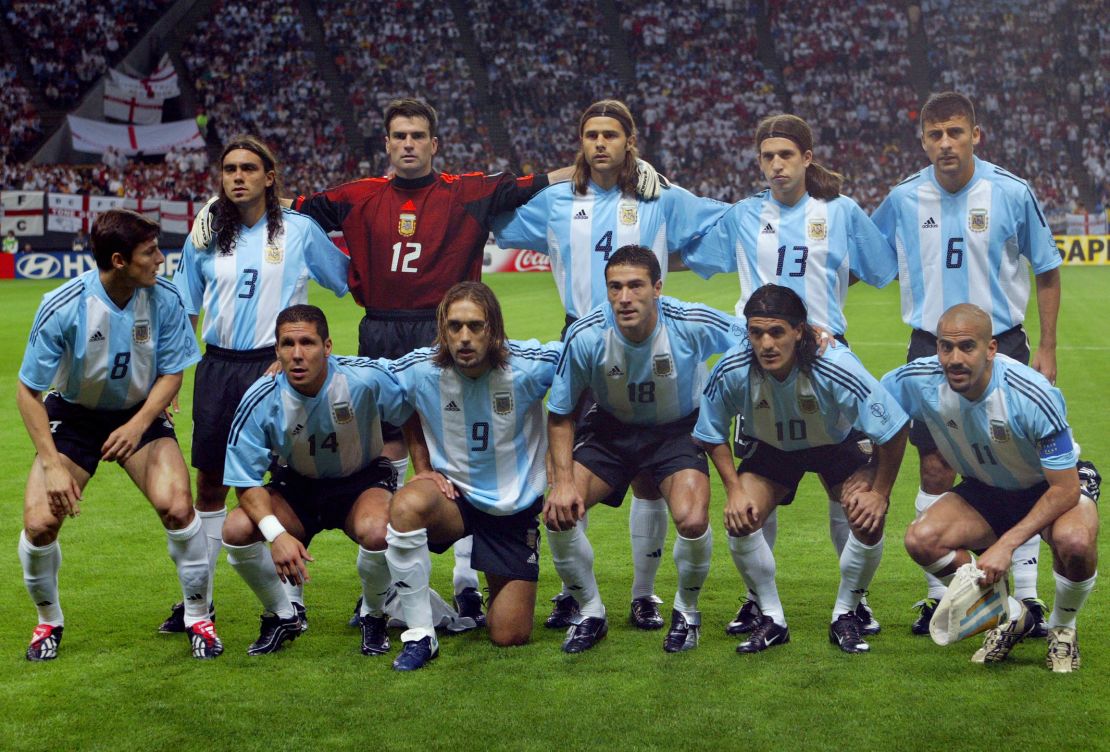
1004,427
806,411
478,446
643,358
319,422
966,230
579,224
258,265
113,343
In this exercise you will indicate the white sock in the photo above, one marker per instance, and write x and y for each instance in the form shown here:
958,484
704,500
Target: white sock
213,525
921,503
295,593
858,563
464,576
756,564
40,575
583,525
770,528
374,573
410,566
402,468
647,526
189,550
839,529
691,559
255,565
573,557
1024,567
1070,597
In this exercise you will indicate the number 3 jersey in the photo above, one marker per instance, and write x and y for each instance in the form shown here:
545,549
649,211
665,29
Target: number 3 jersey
103,357
805,410
486,435
332,435
652,382
973,246
242,292
812,247
1017,426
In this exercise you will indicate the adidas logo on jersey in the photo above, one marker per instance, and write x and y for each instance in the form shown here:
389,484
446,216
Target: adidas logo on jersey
768,230
96,337
929,224
581,214
952,424
451,407
615,372
297,429
763,405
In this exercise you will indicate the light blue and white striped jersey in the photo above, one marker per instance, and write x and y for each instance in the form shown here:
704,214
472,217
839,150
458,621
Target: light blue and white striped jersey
806,410
580,232
332,435
653,382
811,247
100,356
974,246
487,435
242,292
1004,439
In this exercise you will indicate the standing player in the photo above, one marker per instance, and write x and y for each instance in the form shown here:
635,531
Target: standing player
964,229
260,264
806,412
321,419
579,224
478,450
643,358
803,234
1004,427
114,343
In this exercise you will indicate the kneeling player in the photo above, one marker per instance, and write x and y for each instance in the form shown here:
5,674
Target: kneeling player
478,452
114,343
801,408
1003,426
643,356
321,418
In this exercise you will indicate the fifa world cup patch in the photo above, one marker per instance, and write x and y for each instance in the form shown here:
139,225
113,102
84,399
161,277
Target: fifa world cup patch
879,411
503,403
342,412
140,332
817,229
1000,432
628,214
406,225
977,220
662,365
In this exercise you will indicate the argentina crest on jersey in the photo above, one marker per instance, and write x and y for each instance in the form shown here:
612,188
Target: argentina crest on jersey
406,224
628,213
342,413
662,365
817,229
503,403
807,403
978,220
1000,432
140,331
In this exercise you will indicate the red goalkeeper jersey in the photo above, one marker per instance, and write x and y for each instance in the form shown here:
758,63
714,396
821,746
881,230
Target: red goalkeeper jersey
411,240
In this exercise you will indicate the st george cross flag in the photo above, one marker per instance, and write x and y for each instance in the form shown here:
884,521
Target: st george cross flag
94,136
22,212
131,107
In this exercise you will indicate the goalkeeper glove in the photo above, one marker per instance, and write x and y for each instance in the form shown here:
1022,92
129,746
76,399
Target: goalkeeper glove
201,234
648,181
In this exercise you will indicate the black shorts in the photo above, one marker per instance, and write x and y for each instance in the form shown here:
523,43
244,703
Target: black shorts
324,503
617,452
222,378
80,432
833,462
1013,342
504,545
1001,509
392,334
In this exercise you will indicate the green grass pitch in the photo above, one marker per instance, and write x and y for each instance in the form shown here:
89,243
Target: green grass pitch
117,684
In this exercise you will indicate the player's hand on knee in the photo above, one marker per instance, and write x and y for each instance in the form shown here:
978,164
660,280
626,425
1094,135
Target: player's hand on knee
62,492
867,510
121,443
857,483
290,557
202,232
446,487
563,507
649,183
741,516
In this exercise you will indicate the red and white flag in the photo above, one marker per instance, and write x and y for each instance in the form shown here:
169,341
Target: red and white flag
130,107
151,209
22,212
177,216
67,212
95,137
161,83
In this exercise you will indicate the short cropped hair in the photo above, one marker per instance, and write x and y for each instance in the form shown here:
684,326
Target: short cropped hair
120,231
303,314
636,255
945,106
411,108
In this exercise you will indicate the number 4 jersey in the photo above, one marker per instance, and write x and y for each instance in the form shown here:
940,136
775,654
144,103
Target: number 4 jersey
103,357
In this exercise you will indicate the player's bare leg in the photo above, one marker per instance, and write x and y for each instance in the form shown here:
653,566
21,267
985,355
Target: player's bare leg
687,495
755,561
512,608
1073,538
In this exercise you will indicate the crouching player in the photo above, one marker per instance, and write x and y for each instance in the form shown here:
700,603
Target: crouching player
1004,427
801,407
113,343
321,418
478,452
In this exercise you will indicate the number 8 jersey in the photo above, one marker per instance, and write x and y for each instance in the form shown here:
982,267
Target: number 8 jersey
103,357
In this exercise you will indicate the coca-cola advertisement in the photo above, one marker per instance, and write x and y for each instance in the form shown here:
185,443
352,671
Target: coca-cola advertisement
514,260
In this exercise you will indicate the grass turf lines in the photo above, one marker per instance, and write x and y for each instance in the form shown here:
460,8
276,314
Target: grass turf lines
117,684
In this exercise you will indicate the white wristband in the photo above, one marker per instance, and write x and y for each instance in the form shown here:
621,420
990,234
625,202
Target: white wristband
270,527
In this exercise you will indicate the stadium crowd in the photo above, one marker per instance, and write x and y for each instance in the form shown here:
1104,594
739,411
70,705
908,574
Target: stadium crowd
20,126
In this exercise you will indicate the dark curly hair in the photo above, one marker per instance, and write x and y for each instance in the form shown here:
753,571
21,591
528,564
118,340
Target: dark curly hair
226,222
777,302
